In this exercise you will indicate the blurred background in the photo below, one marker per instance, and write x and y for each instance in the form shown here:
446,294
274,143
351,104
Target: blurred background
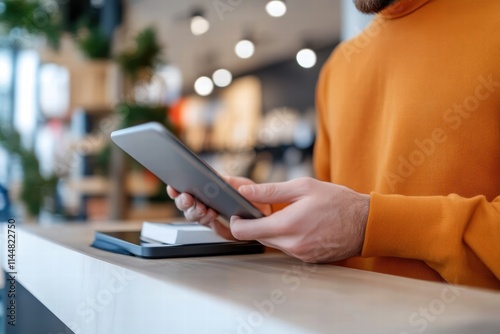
234,79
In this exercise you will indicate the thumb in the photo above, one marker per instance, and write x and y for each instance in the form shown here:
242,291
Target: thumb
236,181
279,192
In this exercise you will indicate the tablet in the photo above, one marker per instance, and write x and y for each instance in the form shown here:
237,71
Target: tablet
157,149
130,243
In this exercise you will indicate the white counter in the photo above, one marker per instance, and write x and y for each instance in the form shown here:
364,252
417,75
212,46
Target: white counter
93,291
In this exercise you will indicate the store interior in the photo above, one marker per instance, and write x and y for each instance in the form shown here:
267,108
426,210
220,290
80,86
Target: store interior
234,80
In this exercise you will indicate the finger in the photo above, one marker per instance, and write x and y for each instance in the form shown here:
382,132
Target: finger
208,218
196,212
236,181
193,209
172,193
280,192
184,201
258,229
221,230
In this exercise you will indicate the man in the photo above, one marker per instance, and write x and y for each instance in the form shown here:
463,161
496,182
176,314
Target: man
409,121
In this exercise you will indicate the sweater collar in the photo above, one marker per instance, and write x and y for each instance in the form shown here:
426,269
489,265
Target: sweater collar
401,8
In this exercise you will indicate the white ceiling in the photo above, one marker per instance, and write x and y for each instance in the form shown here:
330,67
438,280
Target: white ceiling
313,21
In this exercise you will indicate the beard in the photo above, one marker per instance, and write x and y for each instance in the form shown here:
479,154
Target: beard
372,6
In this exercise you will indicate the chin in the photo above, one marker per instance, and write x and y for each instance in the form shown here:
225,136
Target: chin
372,6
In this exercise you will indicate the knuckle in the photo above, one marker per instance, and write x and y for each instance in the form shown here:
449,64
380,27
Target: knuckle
270,189
193,215
182,203
178,203
297,250
200,210
305,183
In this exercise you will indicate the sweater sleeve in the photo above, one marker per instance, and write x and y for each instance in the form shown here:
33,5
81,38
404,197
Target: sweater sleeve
321,145
458,237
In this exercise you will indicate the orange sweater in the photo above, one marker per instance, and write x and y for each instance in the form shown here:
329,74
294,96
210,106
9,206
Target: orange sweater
409,111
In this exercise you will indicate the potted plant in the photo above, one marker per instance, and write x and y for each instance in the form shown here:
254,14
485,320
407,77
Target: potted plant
23,18
37,190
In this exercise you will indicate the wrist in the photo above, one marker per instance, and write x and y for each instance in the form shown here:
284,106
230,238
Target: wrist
362,210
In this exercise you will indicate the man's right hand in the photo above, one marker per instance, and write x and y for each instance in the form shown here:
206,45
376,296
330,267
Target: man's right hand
198,212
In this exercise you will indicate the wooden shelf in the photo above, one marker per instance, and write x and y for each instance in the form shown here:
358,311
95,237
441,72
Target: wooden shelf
152,212
91,185
136,184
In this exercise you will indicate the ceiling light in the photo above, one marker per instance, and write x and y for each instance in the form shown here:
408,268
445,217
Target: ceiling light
199,25
203,86
306,58
244,48
97,3
276,8
222,78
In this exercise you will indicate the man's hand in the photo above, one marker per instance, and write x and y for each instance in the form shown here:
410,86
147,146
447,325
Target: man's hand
324,222
196,211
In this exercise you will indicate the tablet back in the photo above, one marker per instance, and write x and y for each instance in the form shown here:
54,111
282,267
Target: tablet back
162,153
